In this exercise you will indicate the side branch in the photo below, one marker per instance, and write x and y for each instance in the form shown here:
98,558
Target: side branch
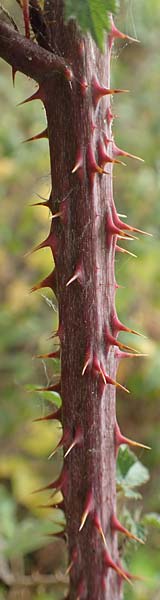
26,56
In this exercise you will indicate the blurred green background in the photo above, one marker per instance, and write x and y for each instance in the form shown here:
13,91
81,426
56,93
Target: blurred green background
27,320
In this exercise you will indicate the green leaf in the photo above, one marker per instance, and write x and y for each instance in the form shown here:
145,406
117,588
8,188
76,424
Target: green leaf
130,473
152,519
125,460
53,397
31,535
92,16
137,475
131,494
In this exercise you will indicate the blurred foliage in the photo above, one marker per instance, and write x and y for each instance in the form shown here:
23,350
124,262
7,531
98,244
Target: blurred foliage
26,321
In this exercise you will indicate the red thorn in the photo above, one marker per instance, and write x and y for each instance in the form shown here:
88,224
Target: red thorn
68,73
119,354
125,226
107,379
87,361
25,8
109,116
59,333
81,589
55,215
77,276
59,484
14,71
38,95
121,439
92,166
38,136
51,388
49,242
46,203
107,140
83,86
74,557
116,525
97,367
118,152
124,251
49,355
118,326
111,230
57,414
65,439
77,440
117,286
112,341
110,564
115,33
103,156
78,167
88,508
62,213
99,91
50,281
97,524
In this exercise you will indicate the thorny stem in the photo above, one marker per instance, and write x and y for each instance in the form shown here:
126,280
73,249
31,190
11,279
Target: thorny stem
84,307
82,243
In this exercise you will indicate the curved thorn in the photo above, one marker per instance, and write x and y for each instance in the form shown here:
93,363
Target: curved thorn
38,95
115,33
50,281
38,136
78,438
78,162
58,484
55,354
99,91
109,563
88,360
78,275
74,556
119,152
117,526
108,379
63,441
121,439
111,340
98,526
57,415
87,509
124,251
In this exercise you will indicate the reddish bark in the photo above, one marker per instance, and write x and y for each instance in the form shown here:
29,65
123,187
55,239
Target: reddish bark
76,93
